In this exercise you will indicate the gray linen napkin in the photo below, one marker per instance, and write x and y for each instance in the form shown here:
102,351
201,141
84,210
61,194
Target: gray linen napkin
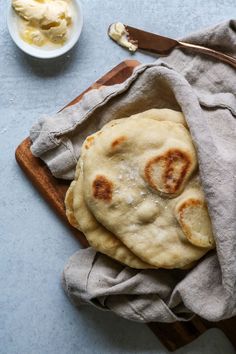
204,90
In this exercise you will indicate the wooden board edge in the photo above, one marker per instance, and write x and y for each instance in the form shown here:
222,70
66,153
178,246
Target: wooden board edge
177,334
23,161
108,78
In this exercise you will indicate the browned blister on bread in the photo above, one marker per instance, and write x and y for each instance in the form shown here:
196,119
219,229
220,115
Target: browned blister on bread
102,188
168,172
192,214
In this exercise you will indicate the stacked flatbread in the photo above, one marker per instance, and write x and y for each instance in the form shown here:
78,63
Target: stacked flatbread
137,195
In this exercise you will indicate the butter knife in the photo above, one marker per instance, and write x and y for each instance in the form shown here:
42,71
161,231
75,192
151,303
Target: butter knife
164,45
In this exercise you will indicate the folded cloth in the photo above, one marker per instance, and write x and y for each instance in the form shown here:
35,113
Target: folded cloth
204,90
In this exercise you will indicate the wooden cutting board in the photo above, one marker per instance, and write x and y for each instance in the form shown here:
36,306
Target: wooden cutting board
173,335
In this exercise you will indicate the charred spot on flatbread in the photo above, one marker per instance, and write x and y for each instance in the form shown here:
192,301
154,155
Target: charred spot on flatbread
89,142
193,217
116,143
168,172
102,188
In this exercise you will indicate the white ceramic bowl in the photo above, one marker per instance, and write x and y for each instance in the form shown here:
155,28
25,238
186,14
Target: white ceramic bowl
40,52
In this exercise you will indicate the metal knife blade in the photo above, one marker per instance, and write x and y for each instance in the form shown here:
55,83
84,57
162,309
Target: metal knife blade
150,41
164,45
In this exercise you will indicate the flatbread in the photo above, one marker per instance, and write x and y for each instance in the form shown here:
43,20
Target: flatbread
135,172
98,237
69,199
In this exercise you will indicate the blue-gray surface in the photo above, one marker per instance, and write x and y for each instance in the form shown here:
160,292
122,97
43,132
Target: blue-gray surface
35,315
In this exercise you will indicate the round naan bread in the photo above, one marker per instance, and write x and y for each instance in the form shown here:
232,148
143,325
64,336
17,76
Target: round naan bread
140,182
98,237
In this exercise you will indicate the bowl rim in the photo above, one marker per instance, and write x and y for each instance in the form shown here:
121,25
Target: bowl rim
39,52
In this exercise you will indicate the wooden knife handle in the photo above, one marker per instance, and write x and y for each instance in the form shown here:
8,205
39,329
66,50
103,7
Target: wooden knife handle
214,53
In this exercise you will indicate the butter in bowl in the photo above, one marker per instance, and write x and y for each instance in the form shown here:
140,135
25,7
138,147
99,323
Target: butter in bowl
45,28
